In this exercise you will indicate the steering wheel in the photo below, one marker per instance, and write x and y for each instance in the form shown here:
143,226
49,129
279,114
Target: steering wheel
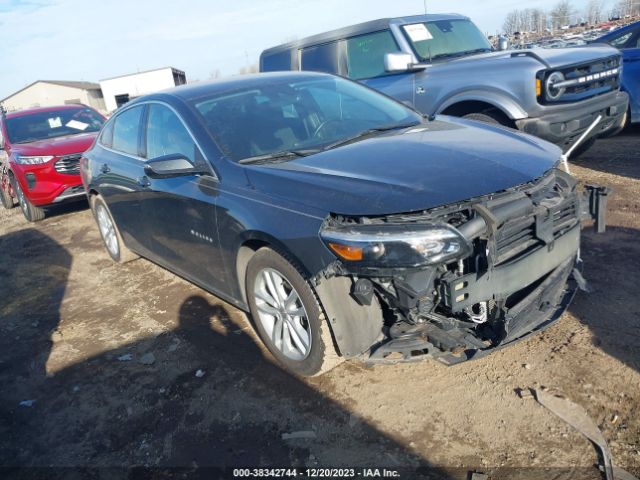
323,125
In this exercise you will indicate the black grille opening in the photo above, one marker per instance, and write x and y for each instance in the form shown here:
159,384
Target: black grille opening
518,237
68,164
594,78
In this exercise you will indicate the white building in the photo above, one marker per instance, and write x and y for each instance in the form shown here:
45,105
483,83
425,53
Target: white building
48,93
119,90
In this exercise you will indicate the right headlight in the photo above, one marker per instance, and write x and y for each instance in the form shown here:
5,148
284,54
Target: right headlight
396,245
553,93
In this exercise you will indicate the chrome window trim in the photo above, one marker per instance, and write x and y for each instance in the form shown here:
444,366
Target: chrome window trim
119,152
164,104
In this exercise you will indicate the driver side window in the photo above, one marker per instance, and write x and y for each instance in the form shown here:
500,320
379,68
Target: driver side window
166,135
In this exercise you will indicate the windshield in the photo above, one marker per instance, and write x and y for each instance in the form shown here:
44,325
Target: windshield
54,123
295,116
445,38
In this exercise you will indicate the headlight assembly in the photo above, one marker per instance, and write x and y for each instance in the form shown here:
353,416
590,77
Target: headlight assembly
35,160
552,92
396,245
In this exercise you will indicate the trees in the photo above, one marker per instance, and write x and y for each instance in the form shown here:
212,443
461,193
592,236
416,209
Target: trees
526,20
627,7
562,14
594,12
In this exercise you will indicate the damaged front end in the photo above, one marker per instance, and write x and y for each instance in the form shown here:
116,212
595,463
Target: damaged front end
456,282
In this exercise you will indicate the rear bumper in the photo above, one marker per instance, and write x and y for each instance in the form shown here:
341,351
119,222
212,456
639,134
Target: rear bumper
562,125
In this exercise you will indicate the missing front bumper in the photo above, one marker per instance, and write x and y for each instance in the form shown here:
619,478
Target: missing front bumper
536,312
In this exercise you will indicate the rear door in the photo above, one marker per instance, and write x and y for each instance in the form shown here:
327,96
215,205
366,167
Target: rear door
179,212
119,171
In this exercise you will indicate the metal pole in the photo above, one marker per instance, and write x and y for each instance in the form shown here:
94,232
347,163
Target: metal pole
425,7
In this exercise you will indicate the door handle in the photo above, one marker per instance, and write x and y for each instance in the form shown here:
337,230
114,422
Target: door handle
143,181
105,168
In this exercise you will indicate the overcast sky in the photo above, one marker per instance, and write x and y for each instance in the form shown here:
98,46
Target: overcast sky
91,40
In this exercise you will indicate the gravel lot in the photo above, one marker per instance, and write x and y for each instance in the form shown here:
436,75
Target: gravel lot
76,331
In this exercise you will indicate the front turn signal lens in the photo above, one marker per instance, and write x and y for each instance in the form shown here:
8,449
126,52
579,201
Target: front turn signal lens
538,87
347,252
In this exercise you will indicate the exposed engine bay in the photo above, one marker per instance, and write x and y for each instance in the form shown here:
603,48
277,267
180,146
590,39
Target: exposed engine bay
517,273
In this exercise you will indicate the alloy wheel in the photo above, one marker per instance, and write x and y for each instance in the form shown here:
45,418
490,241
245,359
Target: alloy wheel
22,200
282,314
108,230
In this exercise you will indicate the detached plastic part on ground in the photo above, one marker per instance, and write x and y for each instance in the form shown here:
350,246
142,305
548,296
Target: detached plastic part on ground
578,418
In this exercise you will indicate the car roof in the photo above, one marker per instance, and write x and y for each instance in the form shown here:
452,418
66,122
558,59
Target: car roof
239,82
29,111
362,28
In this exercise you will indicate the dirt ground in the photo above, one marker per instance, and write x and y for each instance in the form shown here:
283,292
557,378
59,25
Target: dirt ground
76,331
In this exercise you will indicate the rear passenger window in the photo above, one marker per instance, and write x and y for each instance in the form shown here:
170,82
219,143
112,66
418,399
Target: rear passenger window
321,58
365,54
166,135
126,129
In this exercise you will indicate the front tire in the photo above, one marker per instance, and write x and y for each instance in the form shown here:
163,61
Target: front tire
29,210
109,232
491,119
288,316
7,199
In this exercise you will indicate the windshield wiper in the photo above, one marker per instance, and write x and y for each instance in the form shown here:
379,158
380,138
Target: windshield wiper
368,133
460,54
278,155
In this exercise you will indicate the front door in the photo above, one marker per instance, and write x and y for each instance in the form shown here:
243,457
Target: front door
179,212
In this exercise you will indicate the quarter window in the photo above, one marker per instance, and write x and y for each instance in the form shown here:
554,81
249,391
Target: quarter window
275,62
126,130
106,137
166,135
365,54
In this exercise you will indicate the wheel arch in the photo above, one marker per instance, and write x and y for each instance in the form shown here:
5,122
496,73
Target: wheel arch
468,102
250,243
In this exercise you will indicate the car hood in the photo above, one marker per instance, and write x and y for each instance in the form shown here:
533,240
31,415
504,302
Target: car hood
434,164
554,57
56,146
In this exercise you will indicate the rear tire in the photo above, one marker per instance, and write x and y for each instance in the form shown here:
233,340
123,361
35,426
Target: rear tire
29,210
109,232
287,315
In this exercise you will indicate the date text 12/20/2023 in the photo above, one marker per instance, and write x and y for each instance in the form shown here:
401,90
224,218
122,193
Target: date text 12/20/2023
315,473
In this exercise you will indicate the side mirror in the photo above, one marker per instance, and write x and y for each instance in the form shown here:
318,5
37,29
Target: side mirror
173,165
399,62
503,44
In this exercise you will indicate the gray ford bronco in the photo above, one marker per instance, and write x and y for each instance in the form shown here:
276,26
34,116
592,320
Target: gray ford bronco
443,64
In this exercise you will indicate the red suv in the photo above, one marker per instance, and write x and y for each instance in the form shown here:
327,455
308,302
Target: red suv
42,149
